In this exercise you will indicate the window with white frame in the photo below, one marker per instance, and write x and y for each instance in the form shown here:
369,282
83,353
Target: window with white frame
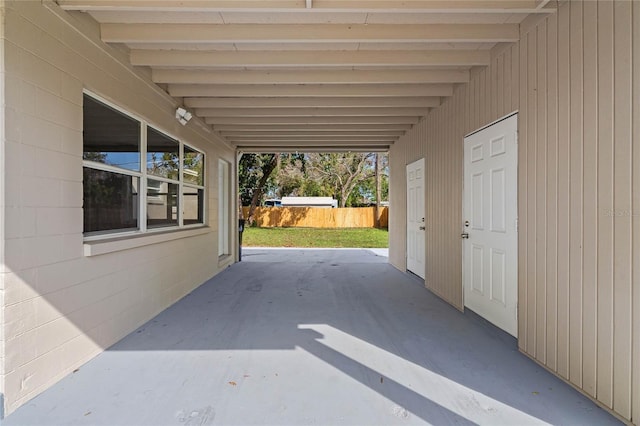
224,203
124,157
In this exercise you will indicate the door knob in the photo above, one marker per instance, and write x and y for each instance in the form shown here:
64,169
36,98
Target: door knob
464,235
422,228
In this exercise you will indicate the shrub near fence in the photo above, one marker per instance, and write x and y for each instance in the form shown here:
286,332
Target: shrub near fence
316,217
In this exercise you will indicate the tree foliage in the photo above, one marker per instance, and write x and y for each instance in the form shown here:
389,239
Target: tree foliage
348,177
254,173
341,173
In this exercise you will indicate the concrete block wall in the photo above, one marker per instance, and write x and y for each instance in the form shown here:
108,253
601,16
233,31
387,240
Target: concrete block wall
59,307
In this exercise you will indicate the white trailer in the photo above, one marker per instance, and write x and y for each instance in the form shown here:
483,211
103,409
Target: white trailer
328,202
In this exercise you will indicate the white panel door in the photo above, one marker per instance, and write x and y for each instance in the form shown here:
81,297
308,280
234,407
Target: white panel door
490,229
415,218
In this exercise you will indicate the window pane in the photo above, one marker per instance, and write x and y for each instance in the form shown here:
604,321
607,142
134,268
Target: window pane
162,204
110,201
193,168
109,136
163,155
193,205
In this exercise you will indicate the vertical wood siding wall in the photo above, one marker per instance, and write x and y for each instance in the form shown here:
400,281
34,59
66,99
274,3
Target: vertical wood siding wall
576,195
492,93
408,149
575,79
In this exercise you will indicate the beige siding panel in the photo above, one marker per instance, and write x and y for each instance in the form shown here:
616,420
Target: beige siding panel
604,391
563,192
479,101
496,89
590,198
530,191
488,99
487,95
2,191
531,194
438,244
541,192
478,110
397,199
524,309
397,202
498,76
515,77
575,195
552,195
484,102
622,204
635,415
506,83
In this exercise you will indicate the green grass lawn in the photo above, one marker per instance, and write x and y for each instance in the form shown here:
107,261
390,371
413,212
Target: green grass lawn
315,237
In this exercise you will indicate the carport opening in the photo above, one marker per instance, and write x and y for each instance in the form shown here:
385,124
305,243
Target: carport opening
314,199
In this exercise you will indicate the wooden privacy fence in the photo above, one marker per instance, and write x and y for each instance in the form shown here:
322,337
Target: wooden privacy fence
316,217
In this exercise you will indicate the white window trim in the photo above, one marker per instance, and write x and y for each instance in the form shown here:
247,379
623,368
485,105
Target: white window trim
122,240
224,210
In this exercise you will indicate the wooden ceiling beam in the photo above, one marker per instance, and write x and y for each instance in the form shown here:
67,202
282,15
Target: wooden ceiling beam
312,148
310,77
327,142
336,102
306,59
310,90
310,112
258,128
332,141
314,33
357,137
360,6
329,121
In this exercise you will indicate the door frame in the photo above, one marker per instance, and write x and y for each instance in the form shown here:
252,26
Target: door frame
505,117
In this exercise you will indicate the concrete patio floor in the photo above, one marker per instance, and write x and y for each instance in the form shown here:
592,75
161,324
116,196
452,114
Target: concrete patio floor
311,337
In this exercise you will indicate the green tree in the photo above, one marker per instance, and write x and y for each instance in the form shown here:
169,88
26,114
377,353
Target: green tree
254,173
341,173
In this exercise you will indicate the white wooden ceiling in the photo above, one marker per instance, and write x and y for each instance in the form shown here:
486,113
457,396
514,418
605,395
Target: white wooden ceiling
309,74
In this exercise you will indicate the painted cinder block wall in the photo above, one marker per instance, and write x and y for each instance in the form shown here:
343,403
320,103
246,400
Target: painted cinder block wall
59,307
575,79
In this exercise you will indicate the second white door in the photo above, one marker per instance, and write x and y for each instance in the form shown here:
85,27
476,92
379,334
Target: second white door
415,218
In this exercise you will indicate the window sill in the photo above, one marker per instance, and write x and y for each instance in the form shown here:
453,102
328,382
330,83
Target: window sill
98,247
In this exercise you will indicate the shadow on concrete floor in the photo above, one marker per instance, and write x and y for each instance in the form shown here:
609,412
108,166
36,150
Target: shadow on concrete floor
312,337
